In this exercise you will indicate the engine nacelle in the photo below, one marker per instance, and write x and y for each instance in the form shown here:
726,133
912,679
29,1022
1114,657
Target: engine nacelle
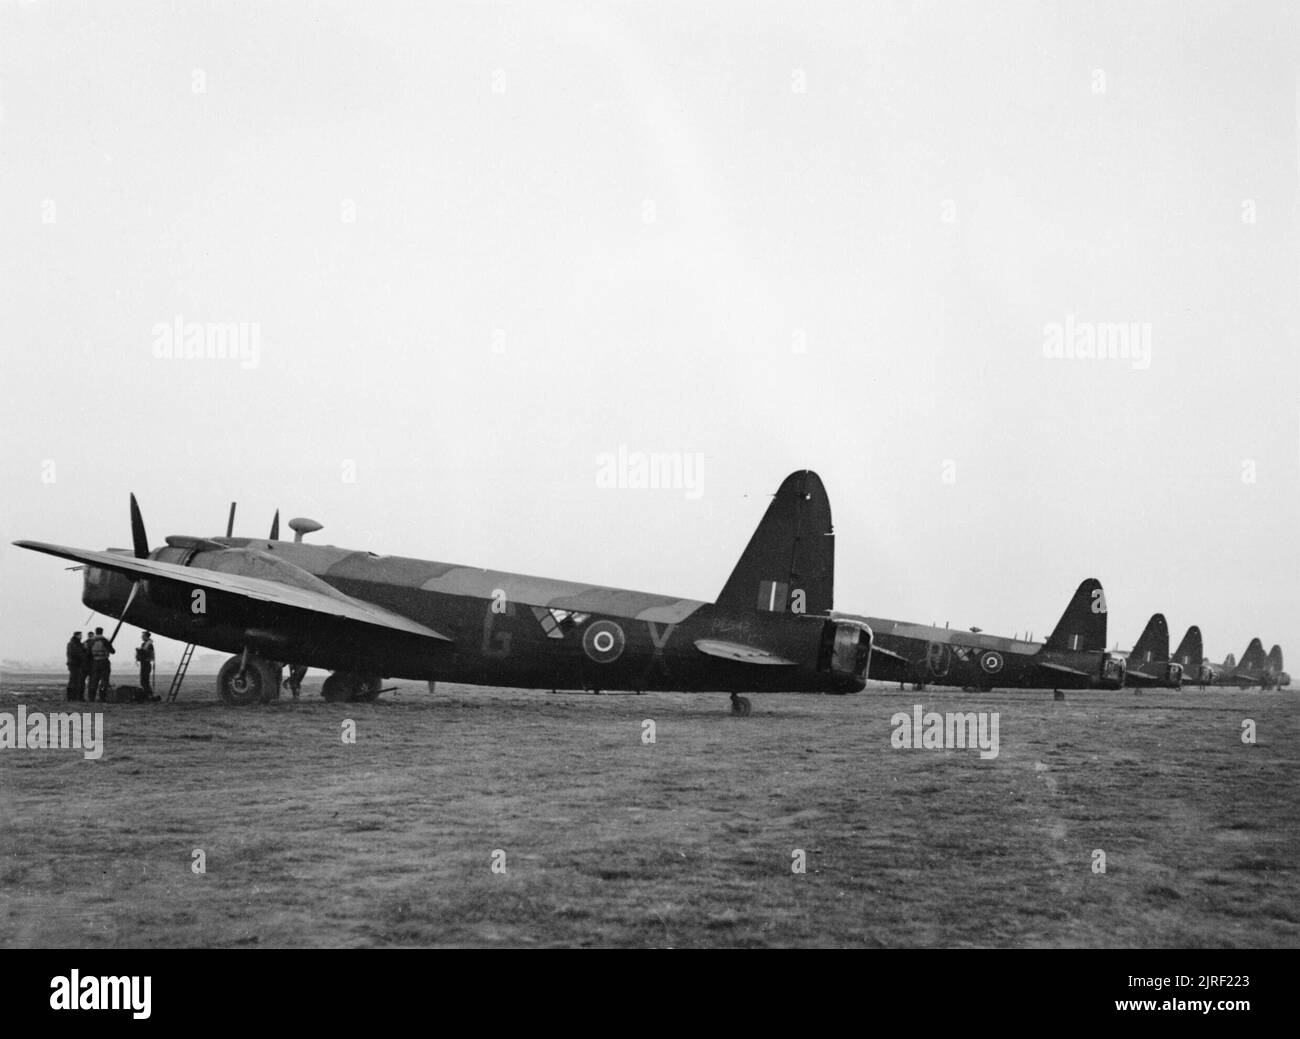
1113,670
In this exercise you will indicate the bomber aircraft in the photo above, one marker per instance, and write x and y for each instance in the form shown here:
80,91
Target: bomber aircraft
1256,668
1191,657
1073,657
1281,678
1148,663
366,617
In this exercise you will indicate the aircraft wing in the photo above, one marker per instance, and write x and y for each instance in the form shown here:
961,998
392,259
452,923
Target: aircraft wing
325,601
741,653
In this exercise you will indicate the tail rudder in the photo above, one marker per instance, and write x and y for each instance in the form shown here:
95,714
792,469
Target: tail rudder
1254,659
1083,624
1275,659
789,564
1190,651
1152,646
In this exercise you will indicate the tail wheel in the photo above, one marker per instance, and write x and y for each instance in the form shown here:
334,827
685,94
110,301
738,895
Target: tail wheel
259,682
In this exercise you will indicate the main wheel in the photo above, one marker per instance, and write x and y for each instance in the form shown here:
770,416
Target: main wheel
367,689
335,688
259,683
349,687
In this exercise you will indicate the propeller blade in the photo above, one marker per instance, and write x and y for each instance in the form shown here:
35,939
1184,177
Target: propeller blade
230,523
138,538
135,587
275,526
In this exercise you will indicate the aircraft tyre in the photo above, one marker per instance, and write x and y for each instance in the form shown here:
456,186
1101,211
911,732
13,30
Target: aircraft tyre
740,705
260,682
349,687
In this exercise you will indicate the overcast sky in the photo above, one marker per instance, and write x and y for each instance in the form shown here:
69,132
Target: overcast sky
478,246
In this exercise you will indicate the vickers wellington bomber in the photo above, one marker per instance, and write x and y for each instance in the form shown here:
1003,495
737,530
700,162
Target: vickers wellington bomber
1073,657
366,617
1190,656
1256,668
1149,666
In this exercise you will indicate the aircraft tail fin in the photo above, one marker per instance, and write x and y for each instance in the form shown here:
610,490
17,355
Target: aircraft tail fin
1254,659
1152,646
1190,651
1275,659
789,565
1083,624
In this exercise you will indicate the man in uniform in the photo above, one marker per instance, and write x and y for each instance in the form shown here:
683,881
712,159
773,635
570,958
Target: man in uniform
76,668
100,667
144,654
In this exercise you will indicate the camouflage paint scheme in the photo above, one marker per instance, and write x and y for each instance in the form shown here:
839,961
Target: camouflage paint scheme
362,613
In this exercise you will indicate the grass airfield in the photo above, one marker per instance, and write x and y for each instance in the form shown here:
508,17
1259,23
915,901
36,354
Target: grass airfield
689,841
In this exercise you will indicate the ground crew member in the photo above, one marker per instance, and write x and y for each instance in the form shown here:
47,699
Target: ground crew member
144,654
296,673
100,667
76,668
85,665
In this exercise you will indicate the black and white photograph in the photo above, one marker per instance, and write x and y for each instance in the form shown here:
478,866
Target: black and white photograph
650,475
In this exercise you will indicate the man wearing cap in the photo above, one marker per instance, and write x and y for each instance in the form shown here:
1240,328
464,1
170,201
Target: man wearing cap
144,654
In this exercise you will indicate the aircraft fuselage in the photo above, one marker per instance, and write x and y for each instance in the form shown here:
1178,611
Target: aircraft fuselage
918,653
503,629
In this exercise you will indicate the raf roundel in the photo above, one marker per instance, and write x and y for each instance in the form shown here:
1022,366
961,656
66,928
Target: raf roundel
991,662
604,642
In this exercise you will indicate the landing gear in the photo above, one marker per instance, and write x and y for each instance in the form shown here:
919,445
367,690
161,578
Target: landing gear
349,687
248,679
740,705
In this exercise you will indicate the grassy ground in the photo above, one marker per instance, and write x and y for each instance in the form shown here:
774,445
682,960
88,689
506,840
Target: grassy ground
684,842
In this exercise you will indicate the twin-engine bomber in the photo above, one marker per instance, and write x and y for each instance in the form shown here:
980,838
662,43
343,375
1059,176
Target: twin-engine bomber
365,617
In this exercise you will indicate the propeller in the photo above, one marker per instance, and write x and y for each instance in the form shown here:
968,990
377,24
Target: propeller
135,587
275,526
139,540
140,546
230,523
